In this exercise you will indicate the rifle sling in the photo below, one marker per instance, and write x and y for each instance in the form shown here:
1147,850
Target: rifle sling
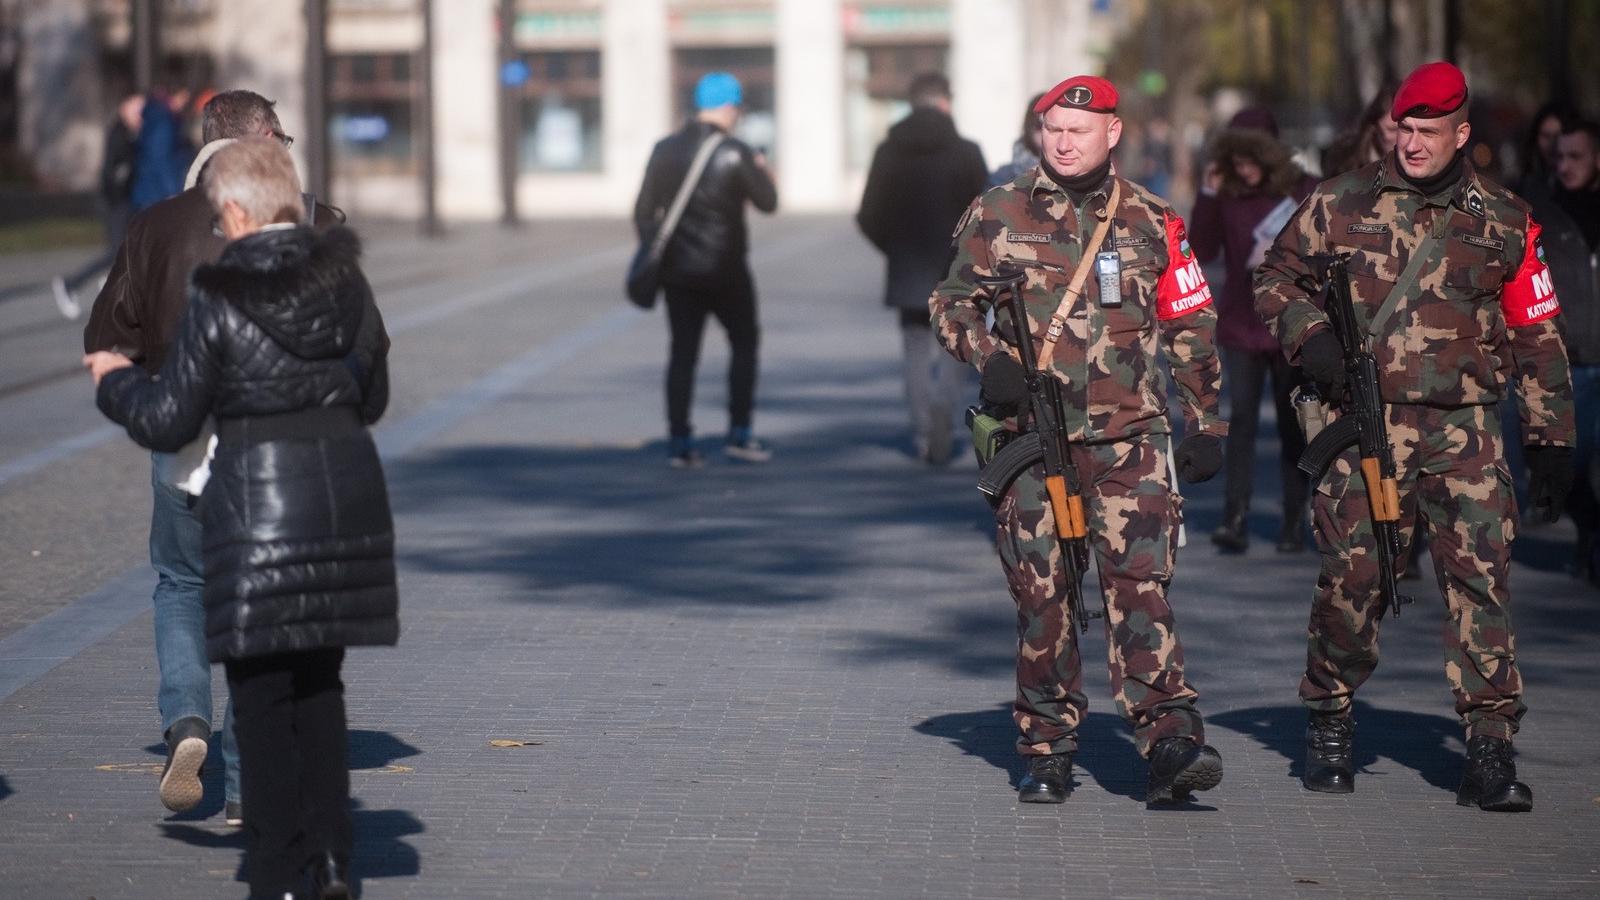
1408,280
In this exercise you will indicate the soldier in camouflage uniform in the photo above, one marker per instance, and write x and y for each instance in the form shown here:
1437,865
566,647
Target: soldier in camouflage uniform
1116,417
1450,328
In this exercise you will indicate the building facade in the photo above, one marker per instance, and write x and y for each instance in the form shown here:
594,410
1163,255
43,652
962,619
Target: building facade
574,101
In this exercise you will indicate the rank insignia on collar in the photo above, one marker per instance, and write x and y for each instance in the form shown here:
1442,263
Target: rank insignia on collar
1474,201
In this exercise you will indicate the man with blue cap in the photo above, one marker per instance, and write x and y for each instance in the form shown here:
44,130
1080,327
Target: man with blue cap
704,270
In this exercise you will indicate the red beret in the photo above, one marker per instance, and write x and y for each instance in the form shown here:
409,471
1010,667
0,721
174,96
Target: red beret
1085,92
1432,90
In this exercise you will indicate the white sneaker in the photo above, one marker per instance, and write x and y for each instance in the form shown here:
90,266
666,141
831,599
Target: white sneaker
749,450
65,301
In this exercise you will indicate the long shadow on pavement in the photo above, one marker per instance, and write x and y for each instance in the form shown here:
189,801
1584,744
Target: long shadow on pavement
1427,744
615,525
1106,750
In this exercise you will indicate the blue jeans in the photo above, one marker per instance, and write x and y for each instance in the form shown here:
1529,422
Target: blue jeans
175,554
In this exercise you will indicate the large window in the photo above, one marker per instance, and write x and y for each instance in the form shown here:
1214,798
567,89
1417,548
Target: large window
560,109
371,98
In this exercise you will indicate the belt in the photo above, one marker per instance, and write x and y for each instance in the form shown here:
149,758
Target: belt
300,425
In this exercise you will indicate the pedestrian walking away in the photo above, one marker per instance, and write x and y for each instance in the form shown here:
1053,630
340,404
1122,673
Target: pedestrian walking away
1146,298
1249,190
137,313
1449,284
283,344
923,177
115,198
704,269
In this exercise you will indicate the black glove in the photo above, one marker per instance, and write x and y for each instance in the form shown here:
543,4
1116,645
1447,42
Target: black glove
1549,479
1199,456
1322,359
1005,385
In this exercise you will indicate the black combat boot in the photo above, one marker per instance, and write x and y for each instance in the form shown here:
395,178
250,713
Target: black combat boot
1047,779
1233,535
1178,768
1330,741
1491,781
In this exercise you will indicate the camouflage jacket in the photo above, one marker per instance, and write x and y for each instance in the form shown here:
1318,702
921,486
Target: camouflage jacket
1480,313
1107,355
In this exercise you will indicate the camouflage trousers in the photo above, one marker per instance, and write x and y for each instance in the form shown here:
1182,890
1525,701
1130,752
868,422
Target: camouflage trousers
1133,517
1453,480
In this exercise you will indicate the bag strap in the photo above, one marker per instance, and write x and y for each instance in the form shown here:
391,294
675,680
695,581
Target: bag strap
1408,280
1058,321
702,158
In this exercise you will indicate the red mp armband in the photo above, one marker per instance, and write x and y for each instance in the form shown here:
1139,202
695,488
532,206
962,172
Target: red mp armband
1182,288
1531,296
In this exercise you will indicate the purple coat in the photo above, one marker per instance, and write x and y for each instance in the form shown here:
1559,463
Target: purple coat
1224,225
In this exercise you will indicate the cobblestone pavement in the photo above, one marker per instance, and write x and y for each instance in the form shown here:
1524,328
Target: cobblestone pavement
787,680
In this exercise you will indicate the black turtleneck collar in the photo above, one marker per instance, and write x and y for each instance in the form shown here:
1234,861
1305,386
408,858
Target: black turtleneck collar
1081,186
1431,186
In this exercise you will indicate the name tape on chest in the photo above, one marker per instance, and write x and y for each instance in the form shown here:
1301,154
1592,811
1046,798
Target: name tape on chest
1027,237
1478,241
1366,228
1131,242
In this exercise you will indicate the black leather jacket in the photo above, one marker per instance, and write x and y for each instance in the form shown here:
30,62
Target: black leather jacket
711,241
298,543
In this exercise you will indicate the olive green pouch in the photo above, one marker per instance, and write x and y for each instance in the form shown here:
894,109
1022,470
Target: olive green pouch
989,434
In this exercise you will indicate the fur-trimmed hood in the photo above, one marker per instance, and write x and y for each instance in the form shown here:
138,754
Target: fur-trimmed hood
1280,174
300,286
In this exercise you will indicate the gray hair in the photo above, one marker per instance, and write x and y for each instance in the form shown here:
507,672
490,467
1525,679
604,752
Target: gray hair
238,114
258,176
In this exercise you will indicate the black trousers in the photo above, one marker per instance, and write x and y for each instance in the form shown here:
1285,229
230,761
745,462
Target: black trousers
1245,374
734,306
289,719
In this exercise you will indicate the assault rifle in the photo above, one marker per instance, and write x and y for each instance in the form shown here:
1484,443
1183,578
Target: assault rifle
1361,423
1048,441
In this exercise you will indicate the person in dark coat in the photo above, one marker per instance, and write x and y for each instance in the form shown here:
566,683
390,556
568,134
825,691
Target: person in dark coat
1249,191
704,271
282,344
1569,215
923,177
138,312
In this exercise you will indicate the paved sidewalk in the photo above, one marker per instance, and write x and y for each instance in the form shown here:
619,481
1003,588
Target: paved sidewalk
789,680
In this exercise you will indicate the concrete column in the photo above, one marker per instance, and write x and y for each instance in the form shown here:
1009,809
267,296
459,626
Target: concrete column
60,125
810,104
465,124
636,93
987,68
261,47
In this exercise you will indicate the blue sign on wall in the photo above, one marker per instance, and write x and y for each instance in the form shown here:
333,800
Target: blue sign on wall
514,73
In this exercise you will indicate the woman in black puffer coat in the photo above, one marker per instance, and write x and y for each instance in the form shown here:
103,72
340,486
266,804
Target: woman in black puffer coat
283,345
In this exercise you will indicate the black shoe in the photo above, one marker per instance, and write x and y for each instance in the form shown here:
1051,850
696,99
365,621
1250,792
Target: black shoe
1292,538
1490,781
1047,779
1179,767
1330,741
1233,535
181,788
330,877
